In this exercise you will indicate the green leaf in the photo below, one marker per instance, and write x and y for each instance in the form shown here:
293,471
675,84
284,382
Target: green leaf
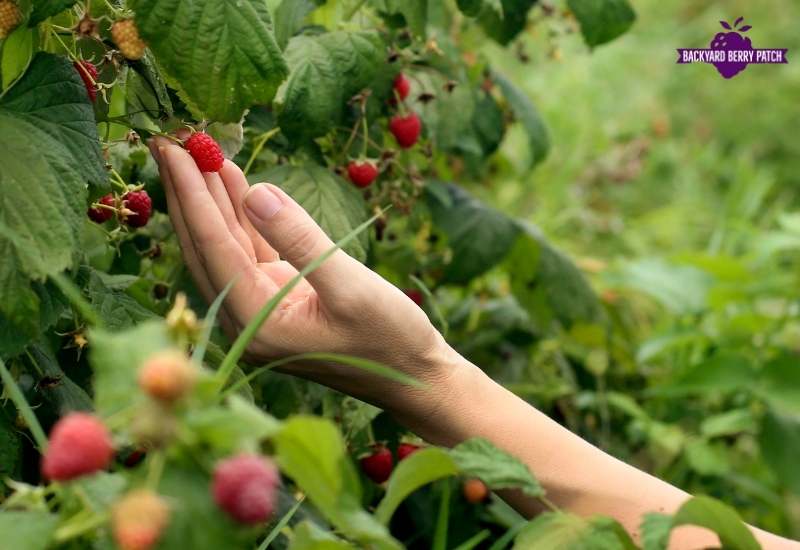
326,71
562,531
27,530
116,309
42,9
655,531
505,25
102,489
479,236
780,384
602,20
728,423
526,113
60,391
115,360
10,445
420,468
311,451
496,468
35,310
307,536
723,372
413,12
548,285
681,289
238,425
220,54
16,55
334,204
289,17
780,447
723,520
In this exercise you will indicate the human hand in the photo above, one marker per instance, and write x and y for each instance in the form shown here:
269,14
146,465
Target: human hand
261,237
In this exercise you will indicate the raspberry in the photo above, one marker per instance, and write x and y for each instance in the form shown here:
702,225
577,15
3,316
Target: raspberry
79,445
88,74
126,37
206,152
10,17
402,86
245,486
475,490
101,215
138,519
378,466
167,376
138,207
405,449
416,296
405,129
362,174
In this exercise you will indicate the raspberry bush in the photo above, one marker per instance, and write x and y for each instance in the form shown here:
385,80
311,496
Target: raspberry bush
97,314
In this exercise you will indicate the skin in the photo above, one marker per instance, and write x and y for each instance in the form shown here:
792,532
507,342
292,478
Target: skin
228,229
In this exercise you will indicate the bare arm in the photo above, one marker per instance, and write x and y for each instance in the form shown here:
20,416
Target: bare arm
261,237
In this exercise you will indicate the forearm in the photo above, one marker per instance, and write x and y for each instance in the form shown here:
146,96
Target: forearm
578,477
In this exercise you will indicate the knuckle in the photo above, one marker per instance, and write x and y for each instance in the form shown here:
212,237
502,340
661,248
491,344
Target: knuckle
301,245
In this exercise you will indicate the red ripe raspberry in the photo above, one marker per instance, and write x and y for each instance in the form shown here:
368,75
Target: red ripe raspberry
140,207
206,152
10,17
138,519
405,449
402,86
475,490
362,174
100,215
126,37
88,74
378,466
416,296
79,445
245,486
406,129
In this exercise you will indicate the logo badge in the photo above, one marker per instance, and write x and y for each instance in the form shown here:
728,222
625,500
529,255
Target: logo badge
731,52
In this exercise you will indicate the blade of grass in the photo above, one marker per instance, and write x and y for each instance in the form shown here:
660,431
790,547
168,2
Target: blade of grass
240,345
443,519
357,362
471,543
287,517
443,324
75,296
210,321
508,536
15,394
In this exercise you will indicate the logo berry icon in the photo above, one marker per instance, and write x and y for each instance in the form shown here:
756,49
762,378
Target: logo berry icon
10,17
167,376
246,487
405,129
138,519
378,465
405,449
79,445
137,208
362,174
98,214
88,73
475,490
731,41
206,152
126,37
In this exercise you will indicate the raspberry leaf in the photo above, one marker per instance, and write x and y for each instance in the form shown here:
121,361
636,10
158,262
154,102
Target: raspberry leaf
327,70
498,469
335,204
563,531
602,20
42,9
526,113
505,24
27,530
414,13
220,55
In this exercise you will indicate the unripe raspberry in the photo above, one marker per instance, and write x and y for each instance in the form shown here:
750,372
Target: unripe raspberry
126,37
88,74
246,487
475,490
10,17
137,208
206,152
79,445
101,215
167,376
138,519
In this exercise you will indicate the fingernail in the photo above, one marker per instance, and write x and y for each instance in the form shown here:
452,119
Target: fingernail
262,202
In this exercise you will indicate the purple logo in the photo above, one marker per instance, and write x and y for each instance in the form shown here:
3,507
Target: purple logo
730,52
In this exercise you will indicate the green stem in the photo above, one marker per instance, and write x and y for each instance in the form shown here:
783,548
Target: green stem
24,408
72,530
155,469
262,140
273,534
443,519
365,129
74,295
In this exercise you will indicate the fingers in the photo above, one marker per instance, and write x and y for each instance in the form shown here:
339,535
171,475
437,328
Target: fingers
297,237
219,192
237,186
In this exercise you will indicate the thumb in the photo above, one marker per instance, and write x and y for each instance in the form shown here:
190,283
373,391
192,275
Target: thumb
295,235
